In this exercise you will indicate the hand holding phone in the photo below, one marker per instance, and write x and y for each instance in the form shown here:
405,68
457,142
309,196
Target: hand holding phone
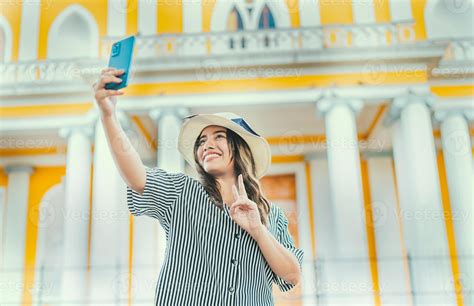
121,59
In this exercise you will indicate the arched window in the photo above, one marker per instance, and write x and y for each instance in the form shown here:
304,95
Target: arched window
266,21
235,23
5,40
74,34
3,43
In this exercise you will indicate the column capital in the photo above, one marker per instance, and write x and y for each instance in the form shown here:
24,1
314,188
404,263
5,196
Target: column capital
65,132
399,103
18,168
328,100
458,107
178,111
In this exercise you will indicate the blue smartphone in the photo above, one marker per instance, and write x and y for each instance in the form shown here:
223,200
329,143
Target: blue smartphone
121,58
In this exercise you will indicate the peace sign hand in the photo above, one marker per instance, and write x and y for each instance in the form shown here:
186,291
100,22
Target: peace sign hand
244,211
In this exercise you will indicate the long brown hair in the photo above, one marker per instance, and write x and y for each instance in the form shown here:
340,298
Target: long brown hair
244,164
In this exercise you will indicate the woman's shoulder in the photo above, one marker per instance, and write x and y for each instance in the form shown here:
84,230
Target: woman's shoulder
275,209
274,213
159,174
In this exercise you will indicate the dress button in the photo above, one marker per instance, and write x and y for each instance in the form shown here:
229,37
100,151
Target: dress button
234,262
237,235
231,289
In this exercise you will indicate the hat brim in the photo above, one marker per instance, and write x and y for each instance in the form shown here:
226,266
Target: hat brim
192,128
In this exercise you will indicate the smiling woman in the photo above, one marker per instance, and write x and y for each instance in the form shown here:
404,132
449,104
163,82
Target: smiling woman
220,153
239,241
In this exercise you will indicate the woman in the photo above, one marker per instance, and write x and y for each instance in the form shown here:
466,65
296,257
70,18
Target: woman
226,243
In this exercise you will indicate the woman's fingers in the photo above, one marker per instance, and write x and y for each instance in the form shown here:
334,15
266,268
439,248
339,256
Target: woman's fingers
243,192
111,70
111,92
108,75
235,192
108,79
105,70
234,208
241,205
104,93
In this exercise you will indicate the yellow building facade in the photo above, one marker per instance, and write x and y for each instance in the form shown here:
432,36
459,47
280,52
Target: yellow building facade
367,106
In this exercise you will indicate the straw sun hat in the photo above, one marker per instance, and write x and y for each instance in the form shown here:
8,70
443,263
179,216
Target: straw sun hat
194,124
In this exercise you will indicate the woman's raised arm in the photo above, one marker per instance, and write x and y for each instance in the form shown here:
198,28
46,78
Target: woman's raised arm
126,158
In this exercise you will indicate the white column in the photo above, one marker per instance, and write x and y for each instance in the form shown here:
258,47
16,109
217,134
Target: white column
351,265
309,13
363,13
192,16
29,30
458,163
117,17
109,256
400,10
391,261
169,121
420,201
76,214
147,17
16,214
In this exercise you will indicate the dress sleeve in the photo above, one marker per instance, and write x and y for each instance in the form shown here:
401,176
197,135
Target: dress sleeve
284,237
162,189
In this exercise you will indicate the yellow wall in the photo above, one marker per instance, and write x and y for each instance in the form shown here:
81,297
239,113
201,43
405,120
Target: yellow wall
255,84
170,16
132,17
3,178
453,90
335,12
382,11
42,179
418,9
48,13
293,10
207,8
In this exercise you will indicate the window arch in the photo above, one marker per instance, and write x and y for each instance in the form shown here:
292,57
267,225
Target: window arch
266,20
74,34
234,20
5,40
235,23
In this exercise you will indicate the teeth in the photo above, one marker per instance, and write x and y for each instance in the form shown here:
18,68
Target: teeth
212,154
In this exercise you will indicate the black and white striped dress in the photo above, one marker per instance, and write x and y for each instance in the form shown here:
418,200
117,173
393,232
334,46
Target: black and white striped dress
209,259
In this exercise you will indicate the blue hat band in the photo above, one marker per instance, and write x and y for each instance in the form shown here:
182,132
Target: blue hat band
245,126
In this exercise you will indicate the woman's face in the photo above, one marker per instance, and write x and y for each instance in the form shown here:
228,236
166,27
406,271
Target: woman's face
213,152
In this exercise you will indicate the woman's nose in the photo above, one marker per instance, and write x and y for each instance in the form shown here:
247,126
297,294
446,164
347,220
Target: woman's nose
209,144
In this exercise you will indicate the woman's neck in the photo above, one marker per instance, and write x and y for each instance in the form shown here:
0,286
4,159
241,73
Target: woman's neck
225,188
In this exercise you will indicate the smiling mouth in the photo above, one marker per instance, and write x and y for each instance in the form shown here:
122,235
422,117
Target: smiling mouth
211,157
